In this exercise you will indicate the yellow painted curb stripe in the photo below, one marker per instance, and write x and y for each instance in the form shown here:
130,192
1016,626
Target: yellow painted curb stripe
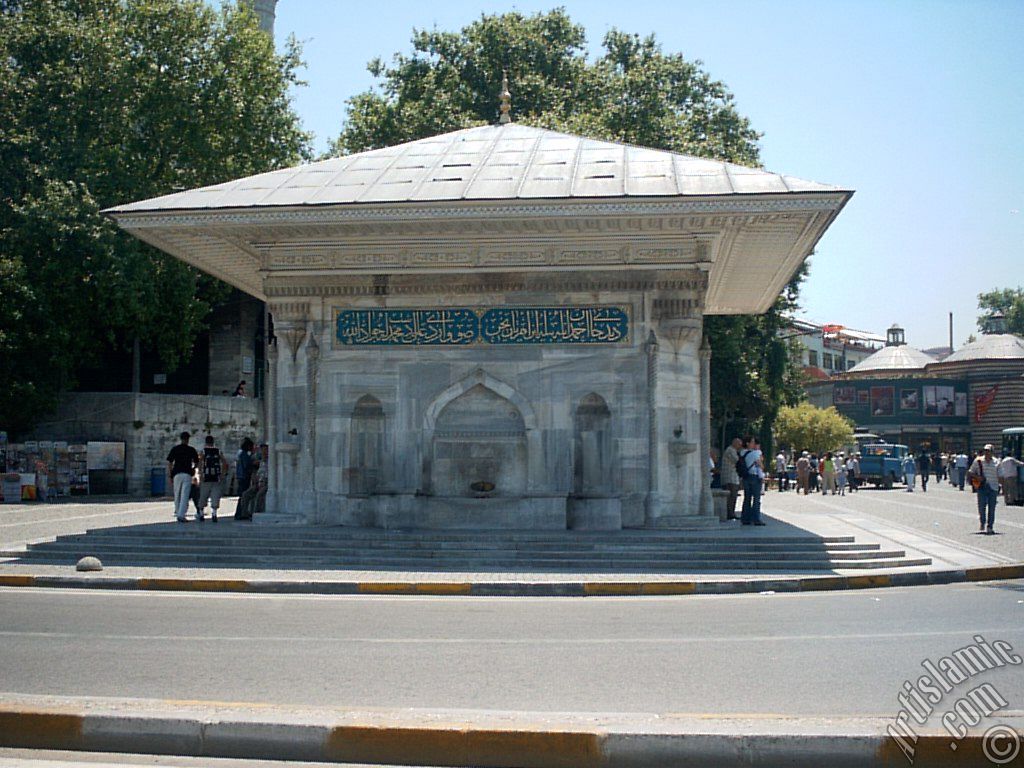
611,588
461,745
40,730
194,585
995,572
11,580
414,588
934,751
866,582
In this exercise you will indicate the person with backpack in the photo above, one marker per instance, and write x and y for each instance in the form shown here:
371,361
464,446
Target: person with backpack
750,468
212,468
984,474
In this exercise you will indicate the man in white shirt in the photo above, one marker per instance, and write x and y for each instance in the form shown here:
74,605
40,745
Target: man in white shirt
960,464
986,469
781,477
1007,473
753,459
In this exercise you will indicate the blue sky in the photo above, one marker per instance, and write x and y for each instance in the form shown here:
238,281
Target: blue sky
916,105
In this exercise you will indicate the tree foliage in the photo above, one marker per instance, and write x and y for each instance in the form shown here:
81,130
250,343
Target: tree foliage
1009,301
103,102
632,92
804,427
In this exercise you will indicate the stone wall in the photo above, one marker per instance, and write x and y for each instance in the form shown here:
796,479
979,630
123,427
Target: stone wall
149,425
233,330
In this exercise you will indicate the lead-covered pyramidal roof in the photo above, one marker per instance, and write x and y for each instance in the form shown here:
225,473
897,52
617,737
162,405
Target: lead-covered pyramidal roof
494,162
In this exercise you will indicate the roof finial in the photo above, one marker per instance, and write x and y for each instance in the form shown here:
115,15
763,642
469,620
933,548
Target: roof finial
506,100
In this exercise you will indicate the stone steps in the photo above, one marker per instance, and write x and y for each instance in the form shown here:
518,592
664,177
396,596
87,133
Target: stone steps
339,553
238,545
482,545
489,565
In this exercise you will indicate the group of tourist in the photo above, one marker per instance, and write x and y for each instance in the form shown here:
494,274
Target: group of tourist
832,473
200,477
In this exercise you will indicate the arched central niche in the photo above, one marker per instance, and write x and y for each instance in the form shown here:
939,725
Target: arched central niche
479,437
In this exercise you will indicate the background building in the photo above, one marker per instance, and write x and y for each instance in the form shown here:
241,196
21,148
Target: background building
958,403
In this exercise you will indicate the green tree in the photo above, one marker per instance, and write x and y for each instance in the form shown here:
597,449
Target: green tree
804,427
103,102
1009,301
633,92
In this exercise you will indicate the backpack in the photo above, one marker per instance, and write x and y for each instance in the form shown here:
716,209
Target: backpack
741,466
211,465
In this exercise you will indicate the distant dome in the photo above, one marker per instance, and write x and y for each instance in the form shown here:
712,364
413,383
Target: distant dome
901,358
992,346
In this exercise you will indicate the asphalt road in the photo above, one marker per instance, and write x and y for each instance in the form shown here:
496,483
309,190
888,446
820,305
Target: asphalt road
806,654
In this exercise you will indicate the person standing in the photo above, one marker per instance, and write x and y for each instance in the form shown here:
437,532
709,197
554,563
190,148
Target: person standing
212,468
730,478
781,476
852,468
828,475
181,463
803,474
924,464
243,465
985,469
960,464
813,478
753,460
1008,468
909,469
841,474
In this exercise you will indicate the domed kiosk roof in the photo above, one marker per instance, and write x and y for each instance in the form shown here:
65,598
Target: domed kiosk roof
991,346
500,198
895,358
490,162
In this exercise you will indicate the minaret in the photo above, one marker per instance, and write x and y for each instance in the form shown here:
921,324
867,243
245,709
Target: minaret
506,100
265,10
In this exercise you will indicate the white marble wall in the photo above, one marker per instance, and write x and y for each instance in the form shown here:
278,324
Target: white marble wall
524,398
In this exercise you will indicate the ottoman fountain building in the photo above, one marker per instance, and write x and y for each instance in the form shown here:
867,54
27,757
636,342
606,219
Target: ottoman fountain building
496,327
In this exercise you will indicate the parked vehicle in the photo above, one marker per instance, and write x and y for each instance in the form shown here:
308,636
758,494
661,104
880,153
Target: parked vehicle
882,463
1013,445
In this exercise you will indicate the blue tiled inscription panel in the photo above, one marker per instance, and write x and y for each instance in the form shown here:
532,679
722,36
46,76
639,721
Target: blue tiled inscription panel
500,325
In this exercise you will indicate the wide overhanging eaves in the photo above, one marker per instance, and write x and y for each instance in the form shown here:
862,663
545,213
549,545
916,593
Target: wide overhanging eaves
753,257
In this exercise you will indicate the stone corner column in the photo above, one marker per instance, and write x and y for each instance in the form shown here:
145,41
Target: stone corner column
707,506
270,427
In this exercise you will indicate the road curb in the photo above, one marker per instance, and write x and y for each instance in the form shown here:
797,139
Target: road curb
484,740
523,589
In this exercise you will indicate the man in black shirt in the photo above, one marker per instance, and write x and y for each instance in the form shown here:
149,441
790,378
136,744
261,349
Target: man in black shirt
182,462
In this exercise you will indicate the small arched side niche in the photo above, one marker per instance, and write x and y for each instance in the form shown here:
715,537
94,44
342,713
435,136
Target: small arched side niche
592,447
479,438
367,452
